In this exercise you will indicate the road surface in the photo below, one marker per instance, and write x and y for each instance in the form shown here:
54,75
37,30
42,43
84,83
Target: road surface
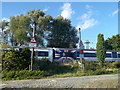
99,81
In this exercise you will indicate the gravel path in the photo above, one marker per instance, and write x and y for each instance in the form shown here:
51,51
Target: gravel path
100,81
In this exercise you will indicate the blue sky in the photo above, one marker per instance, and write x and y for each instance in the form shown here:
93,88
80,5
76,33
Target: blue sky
92,17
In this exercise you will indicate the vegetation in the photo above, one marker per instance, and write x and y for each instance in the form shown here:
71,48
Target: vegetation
15,60
20,30
19,26
116,64
23,74
113,43
45,68
100,50
63,34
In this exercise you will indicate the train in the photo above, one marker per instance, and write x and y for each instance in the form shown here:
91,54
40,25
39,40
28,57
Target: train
64,54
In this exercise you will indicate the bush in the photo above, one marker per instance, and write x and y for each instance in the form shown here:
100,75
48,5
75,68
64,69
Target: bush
42,64
24,74
91,65
16,60
108,64
53,67
116,64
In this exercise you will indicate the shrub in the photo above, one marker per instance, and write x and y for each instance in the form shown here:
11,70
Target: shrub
24,74
16,60
91,65
42,64
116,64
108,64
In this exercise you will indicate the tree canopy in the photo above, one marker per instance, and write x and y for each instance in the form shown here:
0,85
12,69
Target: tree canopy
19,25
63,34
113,43
58,32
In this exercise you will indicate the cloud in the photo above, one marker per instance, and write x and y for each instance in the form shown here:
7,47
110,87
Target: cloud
46,9
114,12
86,20
6,19
67,11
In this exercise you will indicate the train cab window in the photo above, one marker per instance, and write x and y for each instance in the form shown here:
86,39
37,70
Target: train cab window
89,55
42,53
108,55
118,55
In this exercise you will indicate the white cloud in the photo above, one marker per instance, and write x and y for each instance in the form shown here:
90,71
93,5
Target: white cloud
46,9
114,12
6,19
67,11
86,20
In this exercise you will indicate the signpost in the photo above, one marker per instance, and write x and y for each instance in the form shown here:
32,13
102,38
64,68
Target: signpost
33,41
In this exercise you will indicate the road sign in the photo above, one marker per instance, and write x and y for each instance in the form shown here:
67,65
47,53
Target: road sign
33,40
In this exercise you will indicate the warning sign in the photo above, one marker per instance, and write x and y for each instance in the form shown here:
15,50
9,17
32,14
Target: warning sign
33,40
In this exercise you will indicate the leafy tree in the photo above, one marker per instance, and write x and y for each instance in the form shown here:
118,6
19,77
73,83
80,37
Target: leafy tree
62,35
19,25
40,23
113,43
100,48
108,44
3,25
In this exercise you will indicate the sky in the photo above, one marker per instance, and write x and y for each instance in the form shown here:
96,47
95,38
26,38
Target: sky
92,17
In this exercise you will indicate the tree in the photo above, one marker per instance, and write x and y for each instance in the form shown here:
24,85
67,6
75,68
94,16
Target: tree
40,23
22,27
62,35
19,25
113,43
3,26
100,48
108,44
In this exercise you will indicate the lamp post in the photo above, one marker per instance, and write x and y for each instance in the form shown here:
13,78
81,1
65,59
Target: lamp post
79,38
80,48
